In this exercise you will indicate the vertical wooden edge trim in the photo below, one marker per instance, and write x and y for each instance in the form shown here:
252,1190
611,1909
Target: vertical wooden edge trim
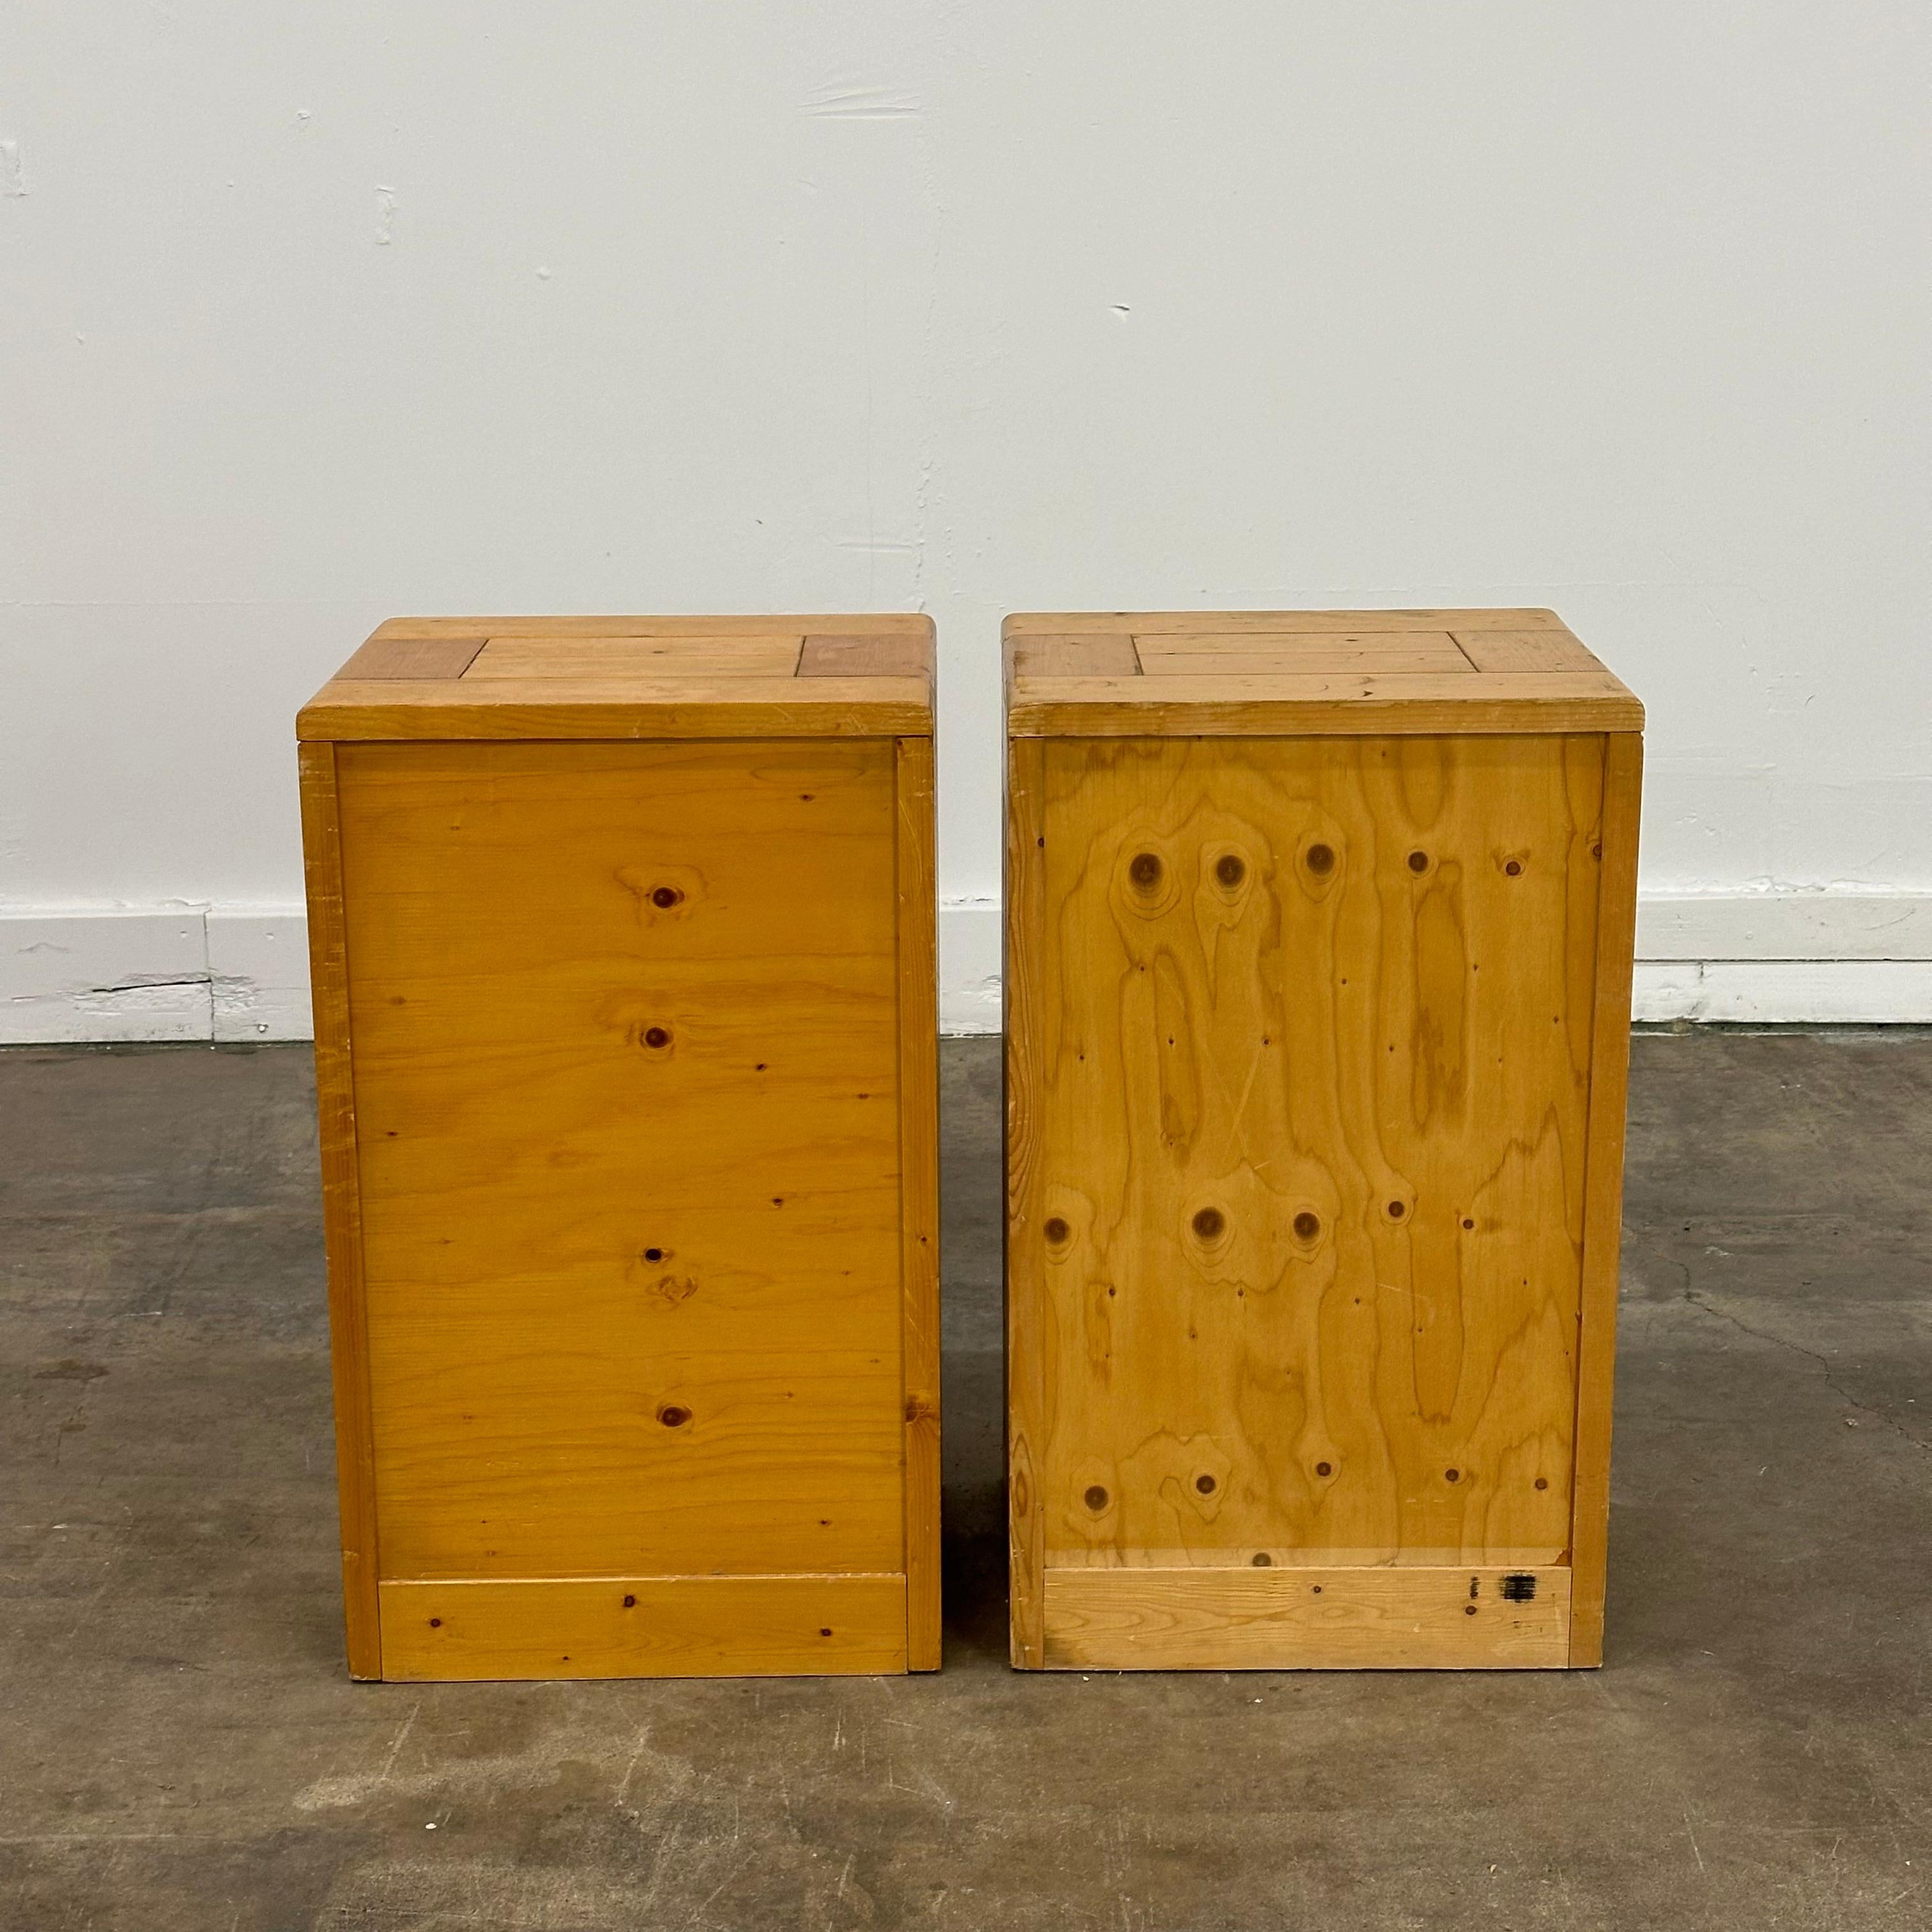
919,1192
1603,1212
341,1202
1025,1403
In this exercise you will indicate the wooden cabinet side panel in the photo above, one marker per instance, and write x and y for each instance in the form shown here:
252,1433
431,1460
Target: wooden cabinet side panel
1301,1057
1603,1233
1026,1327
919,1195
627,1075
342,1222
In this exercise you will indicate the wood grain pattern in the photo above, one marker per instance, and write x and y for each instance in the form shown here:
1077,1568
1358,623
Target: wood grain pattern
1028,1330
644,1627
1074,657
1609,1062
603,659
1424,704
1450,1619
1525,651
1318,1186
639,707
412,659
918,1027
1249,654
419,678
825,655
1319,938
630,1172
632,1196
342,1226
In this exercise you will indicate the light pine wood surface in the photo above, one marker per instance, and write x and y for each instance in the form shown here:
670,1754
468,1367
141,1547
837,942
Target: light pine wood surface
778,1625
1337,1619
1315,1115
627,1057
1275,673
472,678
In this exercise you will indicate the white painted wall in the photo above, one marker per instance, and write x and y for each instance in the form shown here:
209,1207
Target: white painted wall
309,316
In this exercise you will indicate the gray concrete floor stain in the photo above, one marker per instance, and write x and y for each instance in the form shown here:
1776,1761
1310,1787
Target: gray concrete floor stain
180,1747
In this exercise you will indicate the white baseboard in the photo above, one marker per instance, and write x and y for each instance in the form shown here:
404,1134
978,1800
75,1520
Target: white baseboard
241,973
154,972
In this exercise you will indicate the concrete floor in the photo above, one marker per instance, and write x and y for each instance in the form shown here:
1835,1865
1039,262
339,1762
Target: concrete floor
180,1748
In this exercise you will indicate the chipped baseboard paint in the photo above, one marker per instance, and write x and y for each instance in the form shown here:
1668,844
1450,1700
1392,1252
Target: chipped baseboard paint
230,973
158,973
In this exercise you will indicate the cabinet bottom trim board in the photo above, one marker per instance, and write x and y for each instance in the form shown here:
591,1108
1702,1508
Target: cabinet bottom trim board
644,1626
1475,1617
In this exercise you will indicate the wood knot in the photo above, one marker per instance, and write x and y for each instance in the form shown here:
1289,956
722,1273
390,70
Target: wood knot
656,1037
1209,1223
674,1415
1320,859
1418,862
1229,870
1096,1498
1204,1483
1056,1231
1145,871
1307,1226
921,1409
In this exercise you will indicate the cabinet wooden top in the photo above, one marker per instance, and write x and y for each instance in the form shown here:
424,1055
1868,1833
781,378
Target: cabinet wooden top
1209,674
631,677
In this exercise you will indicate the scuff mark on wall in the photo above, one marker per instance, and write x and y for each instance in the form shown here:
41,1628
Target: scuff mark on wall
13,182
863,104
385,216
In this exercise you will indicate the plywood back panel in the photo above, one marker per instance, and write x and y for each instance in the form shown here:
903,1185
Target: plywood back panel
1310,1027
626,1069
